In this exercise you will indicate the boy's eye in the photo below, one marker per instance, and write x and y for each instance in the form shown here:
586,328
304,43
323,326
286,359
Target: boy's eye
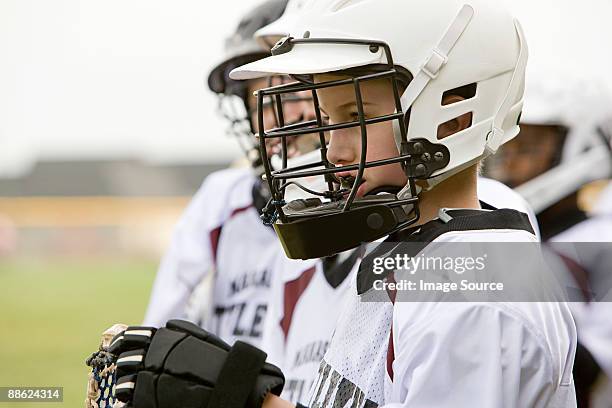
346,117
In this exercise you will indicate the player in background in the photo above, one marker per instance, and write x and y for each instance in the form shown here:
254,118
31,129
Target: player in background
563,143
563,155
221,232
590,264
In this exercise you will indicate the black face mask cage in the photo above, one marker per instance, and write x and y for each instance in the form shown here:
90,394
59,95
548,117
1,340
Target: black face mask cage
239,126
419,158
272,102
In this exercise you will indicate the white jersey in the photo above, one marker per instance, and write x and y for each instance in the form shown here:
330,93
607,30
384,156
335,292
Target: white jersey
306,306
440,354
593,319
219,231
307,302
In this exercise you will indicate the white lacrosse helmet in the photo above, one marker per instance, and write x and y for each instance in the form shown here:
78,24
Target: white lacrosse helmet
439,46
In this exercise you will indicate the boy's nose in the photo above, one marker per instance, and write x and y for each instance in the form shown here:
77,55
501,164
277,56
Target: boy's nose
341,149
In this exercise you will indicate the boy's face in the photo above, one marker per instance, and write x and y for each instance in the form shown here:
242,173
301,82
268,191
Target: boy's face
338,105
298,108
268,114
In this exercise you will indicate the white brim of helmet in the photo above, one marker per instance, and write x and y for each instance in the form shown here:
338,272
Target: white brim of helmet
311,58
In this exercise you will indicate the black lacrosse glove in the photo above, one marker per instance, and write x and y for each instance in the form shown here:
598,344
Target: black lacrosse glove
184,366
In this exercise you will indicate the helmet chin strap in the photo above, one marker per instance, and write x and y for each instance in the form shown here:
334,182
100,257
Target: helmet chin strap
434,181
405,192
430,183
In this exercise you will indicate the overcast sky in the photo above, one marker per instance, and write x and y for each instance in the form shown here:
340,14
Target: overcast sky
119,78
124,78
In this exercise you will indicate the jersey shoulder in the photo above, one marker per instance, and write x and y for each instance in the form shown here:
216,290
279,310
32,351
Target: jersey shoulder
220,195
233,183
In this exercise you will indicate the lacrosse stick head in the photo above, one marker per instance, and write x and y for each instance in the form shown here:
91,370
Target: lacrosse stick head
102,379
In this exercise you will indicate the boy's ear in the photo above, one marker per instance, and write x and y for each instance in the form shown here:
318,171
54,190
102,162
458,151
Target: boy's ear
457,124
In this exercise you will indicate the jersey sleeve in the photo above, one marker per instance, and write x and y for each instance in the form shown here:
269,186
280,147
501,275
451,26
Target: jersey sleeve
186,262
469,355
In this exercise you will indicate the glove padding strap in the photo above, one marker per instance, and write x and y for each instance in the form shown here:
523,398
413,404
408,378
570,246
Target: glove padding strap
238,376
188,367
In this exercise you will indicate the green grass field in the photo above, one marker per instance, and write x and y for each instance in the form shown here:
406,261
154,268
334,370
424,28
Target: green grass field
52,313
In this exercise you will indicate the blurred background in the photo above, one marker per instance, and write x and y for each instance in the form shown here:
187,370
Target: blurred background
106,130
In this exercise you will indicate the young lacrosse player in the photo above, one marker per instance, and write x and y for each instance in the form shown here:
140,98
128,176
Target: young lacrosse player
460,95
221,231
563,142
414,94
307,298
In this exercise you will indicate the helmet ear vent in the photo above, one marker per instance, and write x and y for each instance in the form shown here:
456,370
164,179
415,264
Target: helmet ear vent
465,91
462,121
454,125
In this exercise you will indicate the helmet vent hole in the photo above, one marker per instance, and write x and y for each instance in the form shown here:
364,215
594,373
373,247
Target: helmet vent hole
465,92
455,125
